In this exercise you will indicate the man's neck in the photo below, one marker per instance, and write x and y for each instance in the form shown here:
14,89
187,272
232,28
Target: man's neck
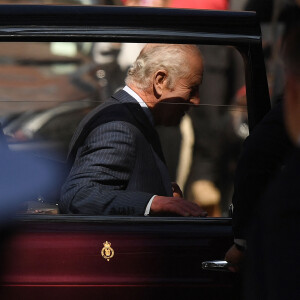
146,97
141,102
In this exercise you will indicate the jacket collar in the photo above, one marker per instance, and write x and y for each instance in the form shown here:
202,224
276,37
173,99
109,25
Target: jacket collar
140,116
137,111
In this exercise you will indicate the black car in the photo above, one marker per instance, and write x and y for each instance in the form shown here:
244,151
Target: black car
52,256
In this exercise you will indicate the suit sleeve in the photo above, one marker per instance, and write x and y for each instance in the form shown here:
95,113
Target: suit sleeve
100,174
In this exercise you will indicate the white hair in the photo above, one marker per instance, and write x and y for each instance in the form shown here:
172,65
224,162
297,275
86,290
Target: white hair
169,57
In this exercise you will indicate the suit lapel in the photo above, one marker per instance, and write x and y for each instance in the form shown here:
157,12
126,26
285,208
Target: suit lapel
141,117
150,134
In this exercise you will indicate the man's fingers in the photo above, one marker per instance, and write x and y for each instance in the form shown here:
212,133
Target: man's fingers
235,258
194,209
176,206
176,195
176,190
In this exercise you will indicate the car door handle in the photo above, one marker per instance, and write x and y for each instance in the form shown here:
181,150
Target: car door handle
216,265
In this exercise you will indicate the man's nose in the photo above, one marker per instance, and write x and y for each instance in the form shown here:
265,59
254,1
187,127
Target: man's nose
195,99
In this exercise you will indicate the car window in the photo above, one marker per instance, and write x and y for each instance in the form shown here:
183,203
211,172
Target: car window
49,87
61,127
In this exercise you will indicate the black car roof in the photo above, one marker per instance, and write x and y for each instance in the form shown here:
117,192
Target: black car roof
131,23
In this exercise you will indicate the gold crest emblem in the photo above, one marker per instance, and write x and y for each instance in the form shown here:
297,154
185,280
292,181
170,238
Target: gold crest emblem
107,251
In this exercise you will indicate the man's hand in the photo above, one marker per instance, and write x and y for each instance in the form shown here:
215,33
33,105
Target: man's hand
235,257
177,193
176,206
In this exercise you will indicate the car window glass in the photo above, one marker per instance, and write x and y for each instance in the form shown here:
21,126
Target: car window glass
47,88
62,126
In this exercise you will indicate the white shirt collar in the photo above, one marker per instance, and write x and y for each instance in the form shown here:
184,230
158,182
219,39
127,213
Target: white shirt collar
141,102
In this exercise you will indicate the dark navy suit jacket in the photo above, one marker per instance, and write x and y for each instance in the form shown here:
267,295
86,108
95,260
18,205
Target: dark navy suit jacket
117,161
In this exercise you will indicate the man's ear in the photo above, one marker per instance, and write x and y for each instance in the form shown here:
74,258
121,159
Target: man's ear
160,82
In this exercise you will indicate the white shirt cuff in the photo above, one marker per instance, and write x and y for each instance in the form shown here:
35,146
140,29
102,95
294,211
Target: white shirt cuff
147,211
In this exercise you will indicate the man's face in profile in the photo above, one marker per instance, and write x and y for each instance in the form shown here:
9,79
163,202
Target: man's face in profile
177,100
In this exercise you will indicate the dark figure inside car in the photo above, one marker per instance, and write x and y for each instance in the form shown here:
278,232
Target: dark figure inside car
117,163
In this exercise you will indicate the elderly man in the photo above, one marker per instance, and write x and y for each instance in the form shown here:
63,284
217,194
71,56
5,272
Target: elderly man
118,166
